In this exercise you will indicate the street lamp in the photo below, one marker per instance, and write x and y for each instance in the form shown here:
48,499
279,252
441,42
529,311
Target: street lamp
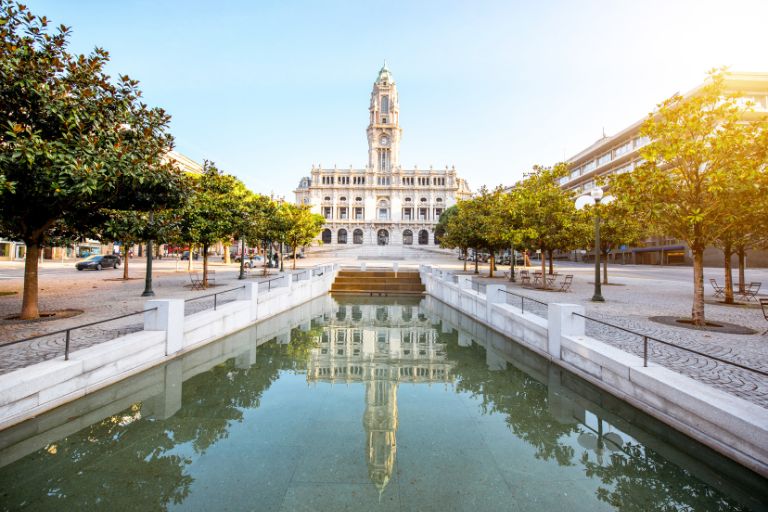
595,195
242,258
148,278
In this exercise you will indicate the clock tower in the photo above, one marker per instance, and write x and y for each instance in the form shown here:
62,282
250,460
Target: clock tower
384,130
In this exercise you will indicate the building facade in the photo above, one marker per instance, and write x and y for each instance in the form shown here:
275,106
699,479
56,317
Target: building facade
620,153
382,203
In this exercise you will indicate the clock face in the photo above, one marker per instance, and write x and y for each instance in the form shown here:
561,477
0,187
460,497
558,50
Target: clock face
384,141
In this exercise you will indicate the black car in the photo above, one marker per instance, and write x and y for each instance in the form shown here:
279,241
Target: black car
99,261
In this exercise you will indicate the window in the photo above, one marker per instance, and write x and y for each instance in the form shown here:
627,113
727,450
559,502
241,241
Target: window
407,237
423,199
342,213
641,141
358,199
604,159
422,213
407,213
439,200
327,212
623,149
341,237
385,104
357,238
383,213
326,236
342,199
588,167
327,198
423,237
358,214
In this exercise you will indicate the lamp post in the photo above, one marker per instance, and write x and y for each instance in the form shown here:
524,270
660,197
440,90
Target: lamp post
596,196
148,278
242,259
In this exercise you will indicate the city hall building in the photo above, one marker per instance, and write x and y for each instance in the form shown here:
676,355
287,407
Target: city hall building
383,203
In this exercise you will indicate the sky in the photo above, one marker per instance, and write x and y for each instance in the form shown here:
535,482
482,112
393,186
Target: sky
265,89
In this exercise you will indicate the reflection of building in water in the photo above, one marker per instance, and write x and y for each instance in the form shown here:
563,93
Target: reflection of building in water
380,346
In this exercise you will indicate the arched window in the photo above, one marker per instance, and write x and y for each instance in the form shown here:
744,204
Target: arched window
357,236
327,198
382,237
342,198
423,199
326,236
423,237
439,200
407,237
341,236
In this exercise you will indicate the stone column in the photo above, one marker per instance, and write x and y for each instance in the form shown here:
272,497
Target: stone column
562,322
166,315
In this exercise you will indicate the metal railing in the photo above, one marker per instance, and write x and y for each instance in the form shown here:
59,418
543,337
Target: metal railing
269,284
68,331
534,306
214,295
647,339
295,275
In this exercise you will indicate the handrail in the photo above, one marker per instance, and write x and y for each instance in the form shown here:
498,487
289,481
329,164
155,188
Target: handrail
523,298
70,329
214,295
645,346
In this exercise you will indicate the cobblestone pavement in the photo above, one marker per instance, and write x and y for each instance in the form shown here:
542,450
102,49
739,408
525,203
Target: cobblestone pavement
635,294
639,292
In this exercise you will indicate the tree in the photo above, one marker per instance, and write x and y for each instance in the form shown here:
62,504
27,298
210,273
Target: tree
301,226
694,169
451,234
488,229
549,220
214,210
72,141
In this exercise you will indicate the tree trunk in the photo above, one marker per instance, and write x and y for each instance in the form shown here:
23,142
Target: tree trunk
742,252
205,265
727,253
476,271
697,310
227,260
492,262
543,255
29,310
605,267
125,261
465,259
550,255
190,267
294,257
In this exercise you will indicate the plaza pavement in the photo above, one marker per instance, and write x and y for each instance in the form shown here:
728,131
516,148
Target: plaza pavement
635,293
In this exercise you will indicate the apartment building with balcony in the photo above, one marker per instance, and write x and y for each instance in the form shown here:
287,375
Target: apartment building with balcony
620,153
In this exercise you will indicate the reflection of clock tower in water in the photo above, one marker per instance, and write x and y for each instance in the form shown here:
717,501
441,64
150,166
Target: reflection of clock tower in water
384,130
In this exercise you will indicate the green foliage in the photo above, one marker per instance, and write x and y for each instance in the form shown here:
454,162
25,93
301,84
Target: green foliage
699,171
73,141
297,226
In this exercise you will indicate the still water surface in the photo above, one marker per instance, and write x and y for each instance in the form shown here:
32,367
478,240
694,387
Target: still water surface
395,404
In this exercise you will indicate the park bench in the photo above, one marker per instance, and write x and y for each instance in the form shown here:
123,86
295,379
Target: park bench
764,307
750,292
719,290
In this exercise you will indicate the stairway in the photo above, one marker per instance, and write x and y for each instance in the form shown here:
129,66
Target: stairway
377,282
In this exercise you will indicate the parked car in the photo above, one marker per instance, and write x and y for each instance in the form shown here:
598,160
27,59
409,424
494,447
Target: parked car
99,261
253,261
185,255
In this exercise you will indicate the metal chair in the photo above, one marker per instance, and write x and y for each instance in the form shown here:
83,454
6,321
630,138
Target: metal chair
719,290
764,307
197,283
525,278
750,292
565,285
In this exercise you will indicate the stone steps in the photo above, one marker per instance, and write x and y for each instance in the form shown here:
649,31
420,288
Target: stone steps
377,282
